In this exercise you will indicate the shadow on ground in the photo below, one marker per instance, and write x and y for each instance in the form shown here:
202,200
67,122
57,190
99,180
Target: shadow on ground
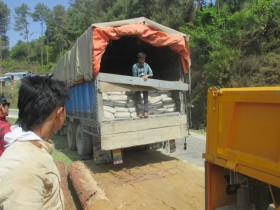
131,159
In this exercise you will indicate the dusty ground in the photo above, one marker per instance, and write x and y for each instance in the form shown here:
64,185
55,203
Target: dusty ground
151,180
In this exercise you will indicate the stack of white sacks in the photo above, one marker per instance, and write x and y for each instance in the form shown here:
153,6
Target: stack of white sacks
122,104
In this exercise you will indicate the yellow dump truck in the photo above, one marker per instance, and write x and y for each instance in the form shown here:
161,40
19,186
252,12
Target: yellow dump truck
242,167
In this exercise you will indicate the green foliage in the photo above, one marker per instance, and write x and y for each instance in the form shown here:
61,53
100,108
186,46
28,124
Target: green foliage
233,46
21,23
139,8
81,16
19,51
46,69
13,90
4,24
12,121
5,53
60,19
41,15
62,151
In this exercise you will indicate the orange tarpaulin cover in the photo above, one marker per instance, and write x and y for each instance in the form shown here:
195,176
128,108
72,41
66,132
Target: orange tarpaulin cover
101,37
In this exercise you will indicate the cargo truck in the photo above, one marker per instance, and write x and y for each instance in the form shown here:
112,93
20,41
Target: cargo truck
242,167
101,120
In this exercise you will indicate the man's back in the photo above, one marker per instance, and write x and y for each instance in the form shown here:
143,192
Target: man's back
28,170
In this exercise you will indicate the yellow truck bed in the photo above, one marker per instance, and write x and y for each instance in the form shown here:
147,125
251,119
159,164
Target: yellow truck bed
243,136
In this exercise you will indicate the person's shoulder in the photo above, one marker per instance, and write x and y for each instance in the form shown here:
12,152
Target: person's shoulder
145,64
26,149
2,122
135,66
26,153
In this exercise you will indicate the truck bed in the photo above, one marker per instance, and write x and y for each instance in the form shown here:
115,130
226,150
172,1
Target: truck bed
87,105
243,132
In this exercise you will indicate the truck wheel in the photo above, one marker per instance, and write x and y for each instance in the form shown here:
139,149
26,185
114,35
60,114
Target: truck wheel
71,136
84,143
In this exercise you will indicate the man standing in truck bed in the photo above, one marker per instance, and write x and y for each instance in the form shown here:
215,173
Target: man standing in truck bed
141,69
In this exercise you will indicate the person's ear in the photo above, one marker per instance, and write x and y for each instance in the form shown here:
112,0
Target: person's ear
59,113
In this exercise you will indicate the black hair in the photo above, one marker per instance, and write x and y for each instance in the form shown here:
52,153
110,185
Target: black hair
141,55
38,97
3,102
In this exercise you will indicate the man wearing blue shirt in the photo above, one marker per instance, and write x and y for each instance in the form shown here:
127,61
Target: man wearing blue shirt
141,69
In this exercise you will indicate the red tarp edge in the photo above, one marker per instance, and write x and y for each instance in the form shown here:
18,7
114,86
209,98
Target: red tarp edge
101,37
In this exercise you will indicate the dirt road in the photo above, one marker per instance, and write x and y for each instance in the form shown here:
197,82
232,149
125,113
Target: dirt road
151,180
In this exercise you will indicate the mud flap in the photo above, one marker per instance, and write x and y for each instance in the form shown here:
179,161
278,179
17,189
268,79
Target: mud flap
101,156
117,156
218,191
172,146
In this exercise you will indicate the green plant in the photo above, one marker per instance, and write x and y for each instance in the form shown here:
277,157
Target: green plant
11,120
62,151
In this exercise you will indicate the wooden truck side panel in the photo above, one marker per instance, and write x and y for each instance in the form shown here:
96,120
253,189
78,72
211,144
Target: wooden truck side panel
141,132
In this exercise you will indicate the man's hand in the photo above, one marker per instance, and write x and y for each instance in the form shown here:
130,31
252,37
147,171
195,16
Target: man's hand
146,77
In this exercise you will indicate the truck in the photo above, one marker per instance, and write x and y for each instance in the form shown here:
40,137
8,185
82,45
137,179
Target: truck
100,115
242,158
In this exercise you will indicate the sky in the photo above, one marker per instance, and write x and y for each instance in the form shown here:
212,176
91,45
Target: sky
34,27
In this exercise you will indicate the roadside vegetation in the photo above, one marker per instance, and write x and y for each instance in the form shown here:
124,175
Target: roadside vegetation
232,43
13,90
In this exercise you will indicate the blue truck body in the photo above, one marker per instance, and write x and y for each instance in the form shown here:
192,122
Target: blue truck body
82,100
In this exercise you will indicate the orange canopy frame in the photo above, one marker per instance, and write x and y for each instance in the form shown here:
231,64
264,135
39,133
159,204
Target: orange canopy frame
101,37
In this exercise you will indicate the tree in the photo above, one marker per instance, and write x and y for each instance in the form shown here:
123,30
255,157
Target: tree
41,14
50,31
81,15
60,19
4,23
21,24
139,8
18,52
172,13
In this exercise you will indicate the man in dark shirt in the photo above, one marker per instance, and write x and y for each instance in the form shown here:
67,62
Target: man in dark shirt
141,69
4,125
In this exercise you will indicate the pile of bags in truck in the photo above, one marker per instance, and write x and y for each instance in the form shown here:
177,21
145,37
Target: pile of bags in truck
122,104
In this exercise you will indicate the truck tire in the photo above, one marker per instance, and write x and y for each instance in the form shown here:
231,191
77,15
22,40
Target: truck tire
71,136
84,143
